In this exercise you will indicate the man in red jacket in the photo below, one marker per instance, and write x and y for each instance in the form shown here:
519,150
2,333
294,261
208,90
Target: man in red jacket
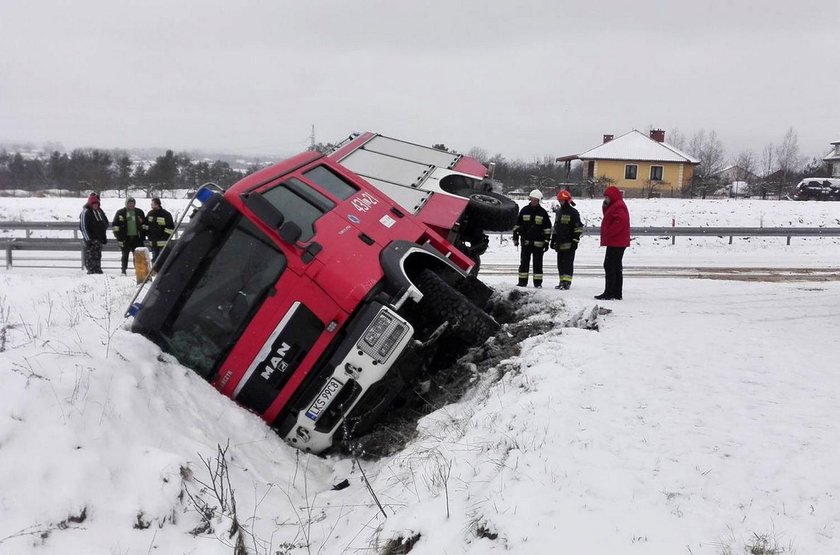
615,235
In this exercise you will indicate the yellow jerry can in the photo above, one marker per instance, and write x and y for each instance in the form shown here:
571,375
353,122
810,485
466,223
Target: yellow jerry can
142,264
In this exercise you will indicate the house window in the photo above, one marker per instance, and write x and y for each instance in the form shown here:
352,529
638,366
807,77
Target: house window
630,171
656,173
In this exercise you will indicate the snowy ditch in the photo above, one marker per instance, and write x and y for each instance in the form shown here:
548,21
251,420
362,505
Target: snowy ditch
699,418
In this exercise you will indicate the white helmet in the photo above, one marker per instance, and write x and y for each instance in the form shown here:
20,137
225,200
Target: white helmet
535,194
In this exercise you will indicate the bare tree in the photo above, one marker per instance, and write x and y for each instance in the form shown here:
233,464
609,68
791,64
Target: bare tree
768,160
479,154
677,139
789,159
746,169
746,164
653,189
708,148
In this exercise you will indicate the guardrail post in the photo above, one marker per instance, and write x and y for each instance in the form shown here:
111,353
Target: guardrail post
730,239
8,256
788,238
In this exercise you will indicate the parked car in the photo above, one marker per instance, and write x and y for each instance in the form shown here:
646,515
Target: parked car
817,188
311,297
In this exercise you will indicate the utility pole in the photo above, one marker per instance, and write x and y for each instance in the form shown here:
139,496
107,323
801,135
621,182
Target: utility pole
312,138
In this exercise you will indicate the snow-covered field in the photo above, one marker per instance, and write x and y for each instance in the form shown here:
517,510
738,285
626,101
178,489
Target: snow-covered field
701,418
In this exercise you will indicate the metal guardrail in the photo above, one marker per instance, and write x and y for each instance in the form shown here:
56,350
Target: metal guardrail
29,227
674,232
64,236
731,232
9,246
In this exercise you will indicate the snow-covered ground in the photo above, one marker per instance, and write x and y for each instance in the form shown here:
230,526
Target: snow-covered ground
700,418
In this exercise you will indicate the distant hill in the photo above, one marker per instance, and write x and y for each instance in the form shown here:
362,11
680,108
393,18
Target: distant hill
34,151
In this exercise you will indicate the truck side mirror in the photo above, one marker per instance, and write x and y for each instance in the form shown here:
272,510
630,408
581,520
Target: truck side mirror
263,209
290,232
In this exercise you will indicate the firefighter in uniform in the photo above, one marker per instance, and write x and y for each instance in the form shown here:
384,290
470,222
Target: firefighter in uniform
128,227
533,229
567,231
159,227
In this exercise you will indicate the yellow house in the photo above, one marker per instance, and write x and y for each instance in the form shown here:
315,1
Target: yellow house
638,164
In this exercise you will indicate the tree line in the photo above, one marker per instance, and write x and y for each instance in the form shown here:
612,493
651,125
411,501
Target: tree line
85,170
774,170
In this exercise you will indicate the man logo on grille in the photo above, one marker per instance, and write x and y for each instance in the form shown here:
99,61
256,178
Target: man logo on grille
276,362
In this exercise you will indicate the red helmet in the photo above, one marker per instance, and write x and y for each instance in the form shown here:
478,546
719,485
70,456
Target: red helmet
565,196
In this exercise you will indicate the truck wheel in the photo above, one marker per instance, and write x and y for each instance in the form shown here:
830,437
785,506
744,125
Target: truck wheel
489,210
443,302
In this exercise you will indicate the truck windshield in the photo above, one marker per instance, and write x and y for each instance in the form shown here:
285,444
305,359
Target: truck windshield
229,286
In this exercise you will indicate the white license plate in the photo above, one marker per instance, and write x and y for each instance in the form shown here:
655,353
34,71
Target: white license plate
323,399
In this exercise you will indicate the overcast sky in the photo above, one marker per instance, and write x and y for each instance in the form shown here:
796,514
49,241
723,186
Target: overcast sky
525,79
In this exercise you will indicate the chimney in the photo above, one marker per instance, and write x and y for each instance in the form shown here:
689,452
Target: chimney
657,135
608,138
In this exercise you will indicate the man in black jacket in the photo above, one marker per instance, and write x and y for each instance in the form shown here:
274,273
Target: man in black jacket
159,227
128,229
533,228
567,231
93,224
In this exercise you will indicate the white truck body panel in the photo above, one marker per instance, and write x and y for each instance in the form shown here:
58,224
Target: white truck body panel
410,151
406,172
384,167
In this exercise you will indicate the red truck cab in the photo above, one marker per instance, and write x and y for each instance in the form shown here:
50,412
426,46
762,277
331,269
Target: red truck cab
310,297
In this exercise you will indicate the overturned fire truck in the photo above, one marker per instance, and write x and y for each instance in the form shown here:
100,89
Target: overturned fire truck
315,291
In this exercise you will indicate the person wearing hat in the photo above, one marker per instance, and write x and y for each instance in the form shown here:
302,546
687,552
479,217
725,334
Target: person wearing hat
93,224
567,231
533,229
128,227
159,227
615,235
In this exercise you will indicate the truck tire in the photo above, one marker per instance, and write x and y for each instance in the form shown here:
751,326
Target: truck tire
490,211
443,302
